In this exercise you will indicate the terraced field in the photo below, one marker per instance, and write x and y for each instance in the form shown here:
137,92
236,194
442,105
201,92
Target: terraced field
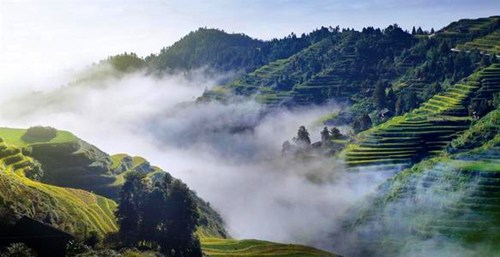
488,44
69,209
227,247
452,200
426,131
465,29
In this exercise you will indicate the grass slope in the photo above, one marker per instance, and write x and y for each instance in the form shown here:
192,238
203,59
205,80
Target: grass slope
72,210
228,247
69,162
426,131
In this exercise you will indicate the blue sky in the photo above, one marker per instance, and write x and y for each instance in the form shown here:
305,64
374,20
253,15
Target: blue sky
48,35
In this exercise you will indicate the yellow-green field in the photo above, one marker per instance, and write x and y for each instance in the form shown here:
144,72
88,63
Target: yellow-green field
13,136
229,247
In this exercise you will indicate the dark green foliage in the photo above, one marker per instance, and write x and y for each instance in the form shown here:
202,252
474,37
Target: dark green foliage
325,135
39,134
406,102
302,139
362,123
17,250
125,62
129,209
163,216
335,133
220,51
379,97
92,239
391,100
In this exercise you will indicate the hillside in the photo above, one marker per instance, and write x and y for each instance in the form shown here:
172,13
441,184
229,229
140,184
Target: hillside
39,179
69,209
453,197
426,131
69,162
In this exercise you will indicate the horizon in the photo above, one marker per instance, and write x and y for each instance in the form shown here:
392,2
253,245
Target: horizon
61,37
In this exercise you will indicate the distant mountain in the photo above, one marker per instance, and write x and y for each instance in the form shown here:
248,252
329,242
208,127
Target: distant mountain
222,52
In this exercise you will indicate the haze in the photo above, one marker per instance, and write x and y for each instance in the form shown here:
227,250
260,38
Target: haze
47,37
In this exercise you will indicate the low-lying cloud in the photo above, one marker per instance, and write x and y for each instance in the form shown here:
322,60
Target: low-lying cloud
229,153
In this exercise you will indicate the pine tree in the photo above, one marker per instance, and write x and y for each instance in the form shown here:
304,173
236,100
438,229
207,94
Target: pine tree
379,95
325,135
129,208
302,138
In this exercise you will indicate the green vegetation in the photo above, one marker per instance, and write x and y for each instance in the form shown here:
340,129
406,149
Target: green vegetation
426,131
162,215
228,247
69,209
15,137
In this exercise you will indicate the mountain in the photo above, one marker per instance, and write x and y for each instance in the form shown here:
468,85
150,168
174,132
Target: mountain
223,52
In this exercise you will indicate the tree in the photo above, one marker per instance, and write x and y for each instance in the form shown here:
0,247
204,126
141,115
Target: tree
413,31
365,122
379,95
420,31
391,100
432,31
179,238
335,132
400,105
325,135
302,138
162,216
17,250
411,100
129,208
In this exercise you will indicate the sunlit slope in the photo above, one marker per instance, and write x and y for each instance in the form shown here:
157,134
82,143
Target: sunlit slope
465,30
489,44
228,247
69,209
70,162
426,131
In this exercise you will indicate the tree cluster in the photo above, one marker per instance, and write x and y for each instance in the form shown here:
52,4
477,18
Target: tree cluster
161,216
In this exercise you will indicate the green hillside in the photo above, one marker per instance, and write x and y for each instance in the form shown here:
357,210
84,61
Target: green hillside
69,209
452,197
226,247
489,44
426,131
68,162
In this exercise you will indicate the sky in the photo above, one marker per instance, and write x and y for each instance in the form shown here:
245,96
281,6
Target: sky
52,37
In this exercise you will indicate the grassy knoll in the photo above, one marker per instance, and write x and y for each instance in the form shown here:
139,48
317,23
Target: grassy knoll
14,136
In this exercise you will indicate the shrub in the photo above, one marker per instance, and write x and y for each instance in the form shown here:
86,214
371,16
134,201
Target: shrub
17,250
39,134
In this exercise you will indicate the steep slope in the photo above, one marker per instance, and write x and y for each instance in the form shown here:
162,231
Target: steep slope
448,200
69,209
69,162
332,67
426,131
465,30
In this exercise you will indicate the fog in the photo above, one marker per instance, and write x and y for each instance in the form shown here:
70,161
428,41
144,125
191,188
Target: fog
230,154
